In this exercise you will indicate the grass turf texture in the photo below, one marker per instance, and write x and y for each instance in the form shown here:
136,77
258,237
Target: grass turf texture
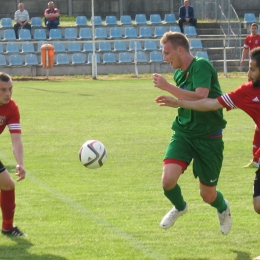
70,212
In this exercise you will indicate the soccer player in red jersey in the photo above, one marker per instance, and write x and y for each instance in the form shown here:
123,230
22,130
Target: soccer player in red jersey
252,41
10,116
246,97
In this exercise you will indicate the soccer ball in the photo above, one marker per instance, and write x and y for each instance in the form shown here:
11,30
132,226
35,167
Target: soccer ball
92,154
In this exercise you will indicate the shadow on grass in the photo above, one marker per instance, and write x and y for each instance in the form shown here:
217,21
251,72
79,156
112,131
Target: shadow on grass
241,255
19,251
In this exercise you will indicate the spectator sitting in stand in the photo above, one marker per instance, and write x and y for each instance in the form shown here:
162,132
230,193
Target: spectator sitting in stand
21,17
52,16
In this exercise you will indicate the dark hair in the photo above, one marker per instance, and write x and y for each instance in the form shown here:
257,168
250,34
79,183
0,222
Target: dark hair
176,39
4,77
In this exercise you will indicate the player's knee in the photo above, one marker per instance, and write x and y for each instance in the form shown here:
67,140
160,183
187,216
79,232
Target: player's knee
10,185
257,209
207,197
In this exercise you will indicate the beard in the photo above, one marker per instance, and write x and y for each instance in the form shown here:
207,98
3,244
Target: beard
256,83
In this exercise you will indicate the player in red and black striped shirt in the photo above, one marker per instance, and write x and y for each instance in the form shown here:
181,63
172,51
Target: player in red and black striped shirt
9,116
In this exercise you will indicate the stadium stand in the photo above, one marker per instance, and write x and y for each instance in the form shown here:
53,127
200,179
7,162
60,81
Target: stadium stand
85,33
132,46
124,57
104,46
155,19
100,33
36,21
39,34
150,45
125,20
140,19
25,35
74,47
175,29
249,18
190,31
9,35
119,46
169,18
196,44
110,20
78,58
90,58
70,34
159,31
202,54
31,59
115,33
55,34
59,46
97,20
145,32
15,60
109,58
6,22
130,32
81,20
12,47
156,56
141,56
2,60
1,48
28,47
62,58
87,47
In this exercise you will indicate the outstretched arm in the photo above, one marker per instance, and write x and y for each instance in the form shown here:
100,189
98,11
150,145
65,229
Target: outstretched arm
206,104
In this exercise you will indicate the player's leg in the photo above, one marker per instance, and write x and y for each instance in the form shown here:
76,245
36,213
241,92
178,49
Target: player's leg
7,198
175,163
207,165
256,194
255,146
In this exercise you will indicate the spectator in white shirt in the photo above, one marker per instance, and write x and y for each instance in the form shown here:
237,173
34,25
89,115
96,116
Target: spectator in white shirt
21,17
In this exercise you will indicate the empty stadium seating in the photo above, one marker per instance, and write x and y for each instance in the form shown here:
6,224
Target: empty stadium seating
150,45
202,54
124,57
36,21
25,34
9,35
132,45
6,22
125,20
156,56
70,34
12,47
119,46
109,58
104,46
141,56
62,58
159,31
97,20
85,33
74,46
81,20
169,18
249,18
28,47
130,32
3,60
90,57
155,19
140,19
78,58
59,46
100,33
115,32
145,32
39,34
15,60
111,20
55,34
190,31
31,59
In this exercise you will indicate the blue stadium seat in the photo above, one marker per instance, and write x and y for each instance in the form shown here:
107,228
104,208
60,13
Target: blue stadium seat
140,19
1,48
9,35
31,59
70,34
159,31
109,58
59,47
90,57
85,33
156,56
6,22
15,60
55,34
28,47
119,46
97,20
141,56
125,20
12,47
100,33
175,29
111,20
124,57
196,44
78,58
132,46
169,18
81,20
130,32
39,34
104,46
74,46
145,32
25,35
190,31
202,54
39,45
62,59
115,33
150,45
249,18
2,60
36,21
88,47
155,19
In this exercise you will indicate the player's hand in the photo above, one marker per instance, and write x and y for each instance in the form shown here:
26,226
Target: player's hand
159,81
20,172
167,101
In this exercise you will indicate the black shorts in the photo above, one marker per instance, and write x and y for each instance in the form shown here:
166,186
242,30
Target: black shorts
257,184
2,168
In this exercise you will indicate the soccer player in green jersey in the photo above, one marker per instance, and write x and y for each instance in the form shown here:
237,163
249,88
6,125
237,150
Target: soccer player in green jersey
197,135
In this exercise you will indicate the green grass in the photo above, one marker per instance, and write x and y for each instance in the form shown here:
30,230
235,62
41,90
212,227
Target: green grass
74,213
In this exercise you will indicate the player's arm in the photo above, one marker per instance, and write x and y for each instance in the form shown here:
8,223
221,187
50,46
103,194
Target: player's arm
244,54
18,154
160,82
207,104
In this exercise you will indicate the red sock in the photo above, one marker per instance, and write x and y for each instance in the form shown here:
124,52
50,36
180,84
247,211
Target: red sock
8,206
256,145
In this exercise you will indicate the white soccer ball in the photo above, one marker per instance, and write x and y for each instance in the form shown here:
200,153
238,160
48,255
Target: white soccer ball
92,154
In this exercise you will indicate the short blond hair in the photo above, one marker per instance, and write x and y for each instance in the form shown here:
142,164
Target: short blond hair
177,40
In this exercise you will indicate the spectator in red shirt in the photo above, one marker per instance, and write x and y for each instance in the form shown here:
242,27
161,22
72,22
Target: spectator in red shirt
52,16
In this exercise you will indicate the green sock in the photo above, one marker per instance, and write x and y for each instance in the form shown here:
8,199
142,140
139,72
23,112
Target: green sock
219,202
175,196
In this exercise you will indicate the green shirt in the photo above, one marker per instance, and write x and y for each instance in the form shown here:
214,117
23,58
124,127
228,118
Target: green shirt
191,123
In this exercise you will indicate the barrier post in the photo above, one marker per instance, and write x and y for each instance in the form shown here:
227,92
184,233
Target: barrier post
47,55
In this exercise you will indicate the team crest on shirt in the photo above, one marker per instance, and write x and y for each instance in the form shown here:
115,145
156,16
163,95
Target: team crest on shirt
2,120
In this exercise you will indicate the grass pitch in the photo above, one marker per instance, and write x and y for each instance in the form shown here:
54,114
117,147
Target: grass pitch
73,213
